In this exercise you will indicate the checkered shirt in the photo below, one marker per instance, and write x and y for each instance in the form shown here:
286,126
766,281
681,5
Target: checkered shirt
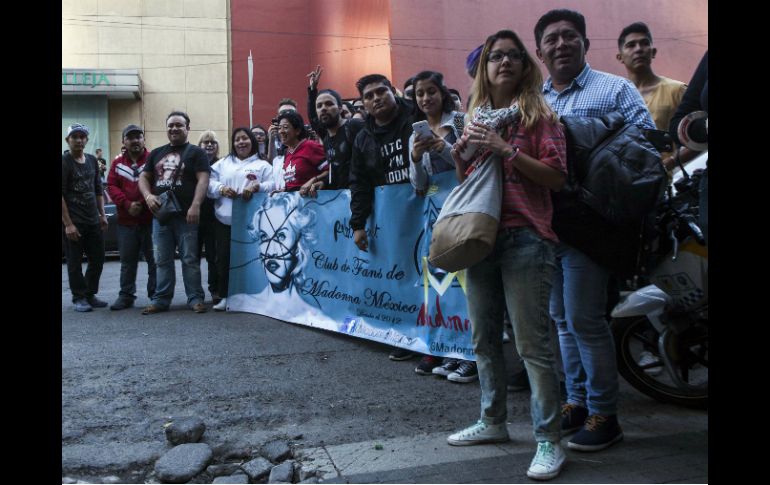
596,93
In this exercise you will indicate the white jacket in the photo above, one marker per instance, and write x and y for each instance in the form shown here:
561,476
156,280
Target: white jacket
235,173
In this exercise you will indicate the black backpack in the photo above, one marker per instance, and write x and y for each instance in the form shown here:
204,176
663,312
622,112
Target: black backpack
615,178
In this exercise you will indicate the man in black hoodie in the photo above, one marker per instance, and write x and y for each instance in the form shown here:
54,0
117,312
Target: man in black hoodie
380,151
380,156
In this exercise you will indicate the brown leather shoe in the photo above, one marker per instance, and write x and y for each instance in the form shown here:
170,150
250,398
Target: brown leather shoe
150,309
199,308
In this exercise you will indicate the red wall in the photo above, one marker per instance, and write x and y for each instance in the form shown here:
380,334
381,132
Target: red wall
350,38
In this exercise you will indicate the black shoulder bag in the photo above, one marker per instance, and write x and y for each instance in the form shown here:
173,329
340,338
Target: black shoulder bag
169,203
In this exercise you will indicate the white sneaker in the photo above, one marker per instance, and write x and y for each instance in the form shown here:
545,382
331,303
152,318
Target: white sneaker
548,461
221,306
647,358
480,433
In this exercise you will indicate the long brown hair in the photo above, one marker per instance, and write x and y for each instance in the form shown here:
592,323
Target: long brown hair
528,91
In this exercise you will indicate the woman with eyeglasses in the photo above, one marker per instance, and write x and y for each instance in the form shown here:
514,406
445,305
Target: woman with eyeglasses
206,235
304,162
260,133
520,132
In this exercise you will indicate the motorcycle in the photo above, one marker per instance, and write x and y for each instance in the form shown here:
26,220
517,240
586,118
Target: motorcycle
661,330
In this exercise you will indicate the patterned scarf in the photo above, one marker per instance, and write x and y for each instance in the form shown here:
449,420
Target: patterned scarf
498,120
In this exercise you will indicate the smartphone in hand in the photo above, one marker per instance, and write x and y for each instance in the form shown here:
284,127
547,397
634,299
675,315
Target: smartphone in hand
422,129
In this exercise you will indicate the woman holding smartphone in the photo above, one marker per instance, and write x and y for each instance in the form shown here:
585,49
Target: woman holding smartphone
527,140
429,153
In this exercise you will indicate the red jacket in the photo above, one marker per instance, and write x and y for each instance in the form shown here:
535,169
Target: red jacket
307,161
123,188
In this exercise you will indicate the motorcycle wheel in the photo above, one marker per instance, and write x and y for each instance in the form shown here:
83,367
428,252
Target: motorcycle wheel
688,352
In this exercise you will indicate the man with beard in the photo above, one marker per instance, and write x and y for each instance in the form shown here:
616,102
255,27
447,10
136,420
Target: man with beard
134,218
336,132
184,168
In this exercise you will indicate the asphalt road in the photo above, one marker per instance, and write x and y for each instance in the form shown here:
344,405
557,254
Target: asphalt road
252,378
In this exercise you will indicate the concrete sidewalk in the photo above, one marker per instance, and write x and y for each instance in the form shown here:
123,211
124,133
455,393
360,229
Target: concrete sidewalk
670,447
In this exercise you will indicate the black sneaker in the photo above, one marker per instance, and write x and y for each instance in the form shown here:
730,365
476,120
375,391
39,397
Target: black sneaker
122,304
466,372
426,365
598,433
96,303
401,354
447,367
572,417
519,381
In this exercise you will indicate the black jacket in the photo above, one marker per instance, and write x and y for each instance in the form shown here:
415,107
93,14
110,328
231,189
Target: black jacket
368,168
615,179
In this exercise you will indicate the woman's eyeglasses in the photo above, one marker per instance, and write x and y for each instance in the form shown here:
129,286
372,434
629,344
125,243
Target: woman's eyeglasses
513,55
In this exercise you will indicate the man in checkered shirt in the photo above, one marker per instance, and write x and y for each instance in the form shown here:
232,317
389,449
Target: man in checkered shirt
579,295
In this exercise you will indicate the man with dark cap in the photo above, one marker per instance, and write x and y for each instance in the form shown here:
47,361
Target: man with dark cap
134,217
83,217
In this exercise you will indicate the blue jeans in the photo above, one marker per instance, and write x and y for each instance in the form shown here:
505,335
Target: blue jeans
177,233
517,275
578,306
133,240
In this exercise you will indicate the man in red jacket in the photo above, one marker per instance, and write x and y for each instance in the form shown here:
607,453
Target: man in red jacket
134,218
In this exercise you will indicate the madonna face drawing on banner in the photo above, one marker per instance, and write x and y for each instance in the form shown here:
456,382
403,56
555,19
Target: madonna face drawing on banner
283,229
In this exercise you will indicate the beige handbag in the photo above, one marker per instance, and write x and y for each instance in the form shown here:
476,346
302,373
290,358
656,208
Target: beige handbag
466,228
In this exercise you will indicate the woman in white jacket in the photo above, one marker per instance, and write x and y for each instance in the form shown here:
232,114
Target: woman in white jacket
239,174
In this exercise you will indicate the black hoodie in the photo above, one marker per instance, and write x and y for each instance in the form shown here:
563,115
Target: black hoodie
380,157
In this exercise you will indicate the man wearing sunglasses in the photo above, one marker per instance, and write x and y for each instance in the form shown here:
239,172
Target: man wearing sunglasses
134,218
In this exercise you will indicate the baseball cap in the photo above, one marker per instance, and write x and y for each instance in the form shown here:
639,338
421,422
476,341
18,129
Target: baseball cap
75,128
128,129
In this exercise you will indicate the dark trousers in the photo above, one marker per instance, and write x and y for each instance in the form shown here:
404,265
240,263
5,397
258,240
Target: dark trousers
207,238
223,257
91,242
133,241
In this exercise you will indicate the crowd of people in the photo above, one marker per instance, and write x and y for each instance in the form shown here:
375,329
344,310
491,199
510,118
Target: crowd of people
553,294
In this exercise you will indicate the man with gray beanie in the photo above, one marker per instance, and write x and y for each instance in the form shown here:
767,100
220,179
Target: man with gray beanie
83,218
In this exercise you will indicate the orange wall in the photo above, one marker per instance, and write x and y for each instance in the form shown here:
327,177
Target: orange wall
350,38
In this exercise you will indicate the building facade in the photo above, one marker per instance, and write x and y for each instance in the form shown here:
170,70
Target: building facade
134,61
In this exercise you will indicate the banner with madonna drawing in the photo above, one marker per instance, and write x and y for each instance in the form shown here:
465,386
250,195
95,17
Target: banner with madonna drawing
293,259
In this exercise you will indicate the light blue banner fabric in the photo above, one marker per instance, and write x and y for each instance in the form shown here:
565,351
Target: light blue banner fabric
293,259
